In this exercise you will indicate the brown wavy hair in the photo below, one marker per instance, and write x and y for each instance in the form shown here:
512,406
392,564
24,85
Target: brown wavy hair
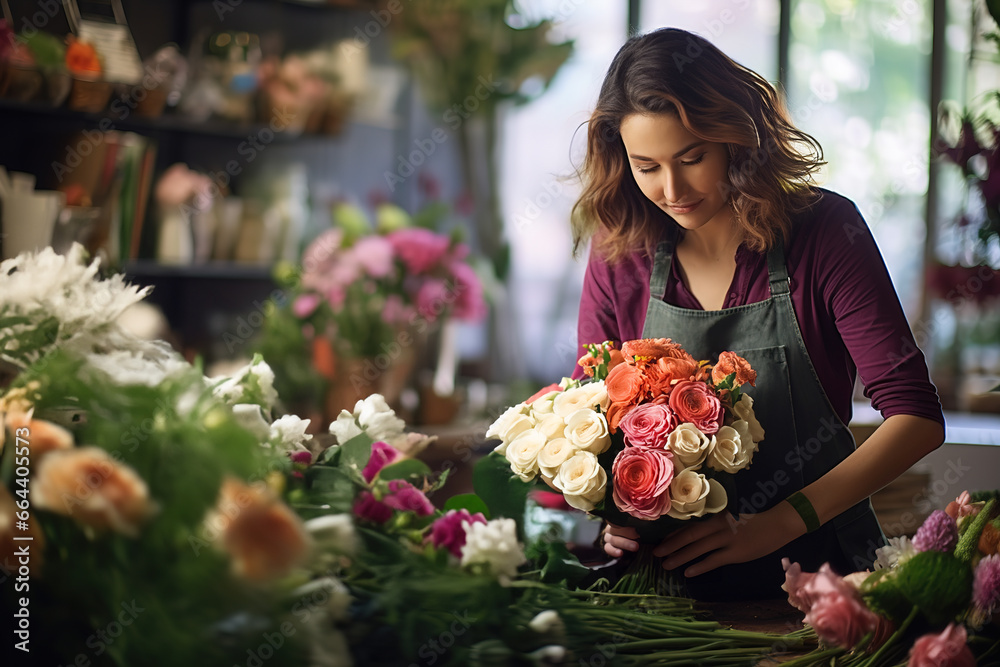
771,163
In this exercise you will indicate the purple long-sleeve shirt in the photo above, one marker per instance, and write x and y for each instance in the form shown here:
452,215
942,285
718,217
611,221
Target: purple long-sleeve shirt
846,306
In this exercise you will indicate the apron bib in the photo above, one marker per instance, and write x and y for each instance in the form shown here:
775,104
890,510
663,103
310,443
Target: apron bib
804,436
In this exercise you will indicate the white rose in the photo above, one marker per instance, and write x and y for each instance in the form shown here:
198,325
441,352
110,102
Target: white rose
744,410
691,494
551,426
730,454
508,425
553,455
571,400
588,431
523,454
689,445
598,395
543,404
582,481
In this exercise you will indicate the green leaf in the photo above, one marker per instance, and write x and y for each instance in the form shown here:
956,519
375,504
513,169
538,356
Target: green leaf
503,493
408,469
356,452
468,501
562,566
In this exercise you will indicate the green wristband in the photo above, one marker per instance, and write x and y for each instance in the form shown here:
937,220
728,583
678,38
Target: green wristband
805,509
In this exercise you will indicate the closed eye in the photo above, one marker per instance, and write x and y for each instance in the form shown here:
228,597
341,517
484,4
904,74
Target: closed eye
696,160
645,170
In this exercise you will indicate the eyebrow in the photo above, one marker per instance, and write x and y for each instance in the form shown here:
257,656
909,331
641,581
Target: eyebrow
675,155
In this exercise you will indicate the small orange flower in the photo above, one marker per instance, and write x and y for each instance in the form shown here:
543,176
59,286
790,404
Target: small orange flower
653,348
625,384
87,484
43,436
262,535
730,362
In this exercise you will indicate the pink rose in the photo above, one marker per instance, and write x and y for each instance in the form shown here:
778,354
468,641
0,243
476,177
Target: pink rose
469,304
642,481
947,649
648,425
405,497
838,614
696,402
449,530
368,508
419,248
382,455
395,311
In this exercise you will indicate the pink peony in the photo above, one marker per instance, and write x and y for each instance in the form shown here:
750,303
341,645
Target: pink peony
697,403
375,255
382,455
368,508
939,532
947,649
986,586
420,249
841,618
642,481
449,530
648,425
405,497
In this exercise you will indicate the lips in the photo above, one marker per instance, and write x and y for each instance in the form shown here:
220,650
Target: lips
685,207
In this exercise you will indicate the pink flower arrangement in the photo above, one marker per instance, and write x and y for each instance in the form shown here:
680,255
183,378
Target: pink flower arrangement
359,286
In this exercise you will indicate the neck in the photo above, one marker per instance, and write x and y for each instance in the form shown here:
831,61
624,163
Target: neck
717,239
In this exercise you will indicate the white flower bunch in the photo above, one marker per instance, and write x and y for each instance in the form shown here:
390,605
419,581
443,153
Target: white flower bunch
559,436
148,366
493,544
49,300
372,416
288,434
898,551
252,384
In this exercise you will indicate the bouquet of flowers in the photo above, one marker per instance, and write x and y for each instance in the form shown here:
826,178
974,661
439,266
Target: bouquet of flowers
651,442
930,600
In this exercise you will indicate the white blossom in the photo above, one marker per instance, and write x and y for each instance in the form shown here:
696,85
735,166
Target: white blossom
377,419
494,544
149,368
248,415
289,434
344,427
334,532
898,551
254,383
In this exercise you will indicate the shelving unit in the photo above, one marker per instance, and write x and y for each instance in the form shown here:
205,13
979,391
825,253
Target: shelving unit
202,301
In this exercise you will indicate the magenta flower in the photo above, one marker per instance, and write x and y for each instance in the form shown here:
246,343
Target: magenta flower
407,498
469,302
986,585
432,298
420,249
382,455
449,530
939,532
368,508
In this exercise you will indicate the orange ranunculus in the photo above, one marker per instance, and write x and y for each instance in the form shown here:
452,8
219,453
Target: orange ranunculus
730,362
87,484
696,402
617,412
625,384
669,370
261,534
653,349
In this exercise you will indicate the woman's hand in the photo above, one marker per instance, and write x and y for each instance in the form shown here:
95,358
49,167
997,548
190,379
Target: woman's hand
726,540
619,539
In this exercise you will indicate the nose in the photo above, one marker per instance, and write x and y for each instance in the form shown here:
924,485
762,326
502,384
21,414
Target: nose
674,186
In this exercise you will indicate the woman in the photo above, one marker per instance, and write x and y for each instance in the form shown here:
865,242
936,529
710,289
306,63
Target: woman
707,228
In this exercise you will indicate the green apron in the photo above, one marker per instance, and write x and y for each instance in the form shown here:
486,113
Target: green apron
804,437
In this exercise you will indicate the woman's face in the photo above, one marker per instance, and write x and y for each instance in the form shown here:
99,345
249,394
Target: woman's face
684,175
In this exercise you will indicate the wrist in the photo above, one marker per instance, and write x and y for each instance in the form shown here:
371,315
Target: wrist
803,509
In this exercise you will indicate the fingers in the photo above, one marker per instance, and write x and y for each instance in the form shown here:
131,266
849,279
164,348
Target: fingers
682,538
694,550
621,531
615,546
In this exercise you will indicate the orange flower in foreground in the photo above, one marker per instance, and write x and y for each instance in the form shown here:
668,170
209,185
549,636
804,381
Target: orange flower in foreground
653,349
730,362
8,547
43,436
262,535
87,484
668,370
617,412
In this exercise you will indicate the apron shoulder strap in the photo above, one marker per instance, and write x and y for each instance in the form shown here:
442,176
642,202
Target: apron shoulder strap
777,272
